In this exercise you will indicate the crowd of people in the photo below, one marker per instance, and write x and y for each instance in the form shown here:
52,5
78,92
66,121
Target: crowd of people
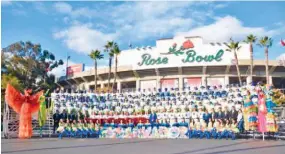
212,111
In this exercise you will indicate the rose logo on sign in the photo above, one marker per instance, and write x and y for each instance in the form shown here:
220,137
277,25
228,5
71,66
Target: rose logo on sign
188,44
172,50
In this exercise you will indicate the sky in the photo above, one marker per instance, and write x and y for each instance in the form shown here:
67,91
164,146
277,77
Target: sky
75,28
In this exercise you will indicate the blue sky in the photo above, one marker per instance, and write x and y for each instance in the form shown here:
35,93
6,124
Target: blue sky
77,27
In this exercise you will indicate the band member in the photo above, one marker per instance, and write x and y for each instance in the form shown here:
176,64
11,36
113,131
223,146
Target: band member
152,118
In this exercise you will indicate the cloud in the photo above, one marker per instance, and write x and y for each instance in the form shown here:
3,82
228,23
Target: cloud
225,28
66,20
66,8
40,7
82,38
220,6
63,7
6,3
158,19
18,12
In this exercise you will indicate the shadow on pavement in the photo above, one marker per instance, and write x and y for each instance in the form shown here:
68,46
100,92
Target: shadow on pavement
28,141
241,150
80,146
210,148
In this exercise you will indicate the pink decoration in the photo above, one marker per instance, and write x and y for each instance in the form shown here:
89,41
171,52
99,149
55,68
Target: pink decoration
262,111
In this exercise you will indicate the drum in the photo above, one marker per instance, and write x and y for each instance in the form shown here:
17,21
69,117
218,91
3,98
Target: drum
183,131
174,132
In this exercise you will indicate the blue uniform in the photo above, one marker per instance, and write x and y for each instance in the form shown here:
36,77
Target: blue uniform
131,125
183,124
122,125
139,125
176,124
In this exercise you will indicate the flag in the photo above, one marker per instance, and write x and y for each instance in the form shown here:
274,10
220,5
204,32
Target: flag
282,43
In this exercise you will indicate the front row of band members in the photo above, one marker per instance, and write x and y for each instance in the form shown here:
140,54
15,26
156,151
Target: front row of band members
200,115
215,128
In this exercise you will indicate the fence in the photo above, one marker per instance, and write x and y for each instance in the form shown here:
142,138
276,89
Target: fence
11,124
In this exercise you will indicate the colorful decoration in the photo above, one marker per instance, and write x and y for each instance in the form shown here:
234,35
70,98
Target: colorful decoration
250,113
262,111
183,131
174,132
271,124
25,105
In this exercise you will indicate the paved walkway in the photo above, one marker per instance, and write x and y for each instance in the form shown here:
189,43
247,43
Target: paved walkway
140,146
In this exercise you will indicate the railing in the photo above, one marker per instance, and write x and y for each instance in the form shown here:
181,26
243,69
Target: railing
11,124
124,90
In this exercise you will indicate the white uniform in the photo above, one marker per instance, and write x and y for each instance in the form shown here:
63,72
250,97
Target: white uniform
194,115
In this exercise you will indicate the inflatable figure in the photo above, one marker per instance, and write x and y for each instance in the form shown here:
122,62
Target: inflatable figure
271,124
25,105
42,111
250,113
262,111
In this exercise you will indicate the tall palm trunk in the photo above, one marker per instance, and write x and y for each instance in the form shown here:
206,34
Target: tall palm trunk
266,65
237,66
251,62
115,73
95,74
109,74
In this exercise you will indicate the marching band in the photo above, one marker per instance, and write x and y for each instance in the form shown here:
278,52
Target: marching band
218,112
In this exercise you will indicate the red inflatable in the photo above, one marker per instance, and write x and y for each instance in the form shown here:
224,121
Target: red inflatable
25,105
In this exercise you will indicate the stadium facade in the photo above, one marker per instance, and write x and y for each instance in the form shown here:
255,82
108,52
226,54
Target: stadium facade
176,63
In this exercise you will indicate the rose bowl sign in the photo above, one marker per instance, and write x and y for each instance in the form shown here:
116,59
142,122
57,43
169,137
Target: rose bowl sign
180,52
187,54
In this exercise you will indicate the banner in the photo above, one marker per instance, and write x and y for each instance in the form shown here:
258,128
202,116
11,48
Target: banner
73,69
169,83
215,81
192,82
148,84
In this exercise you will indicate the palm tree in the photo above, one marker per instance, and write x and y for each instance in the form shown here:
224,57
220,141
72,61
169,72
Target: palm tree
95,55
251,40
115,52
234,46
108,47
266,42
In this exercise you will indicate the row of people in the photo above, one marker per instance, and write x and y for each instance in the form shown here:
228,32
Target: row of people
201,114
215,129
187,93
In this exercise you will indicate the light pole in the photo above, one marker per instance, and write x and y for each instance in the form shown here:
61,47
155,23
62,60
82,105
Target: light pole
66,72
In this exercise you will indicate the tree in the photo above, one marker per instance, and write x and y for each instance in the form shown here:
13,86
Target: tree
234,47
251,39
30,65
115,52
14,81
266,43
108,47
95,55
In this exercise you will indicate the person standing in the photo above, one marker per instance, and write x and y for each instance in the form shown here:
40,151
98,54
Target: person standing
226,114
64,115
234,113
152,118
56,119
219,115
